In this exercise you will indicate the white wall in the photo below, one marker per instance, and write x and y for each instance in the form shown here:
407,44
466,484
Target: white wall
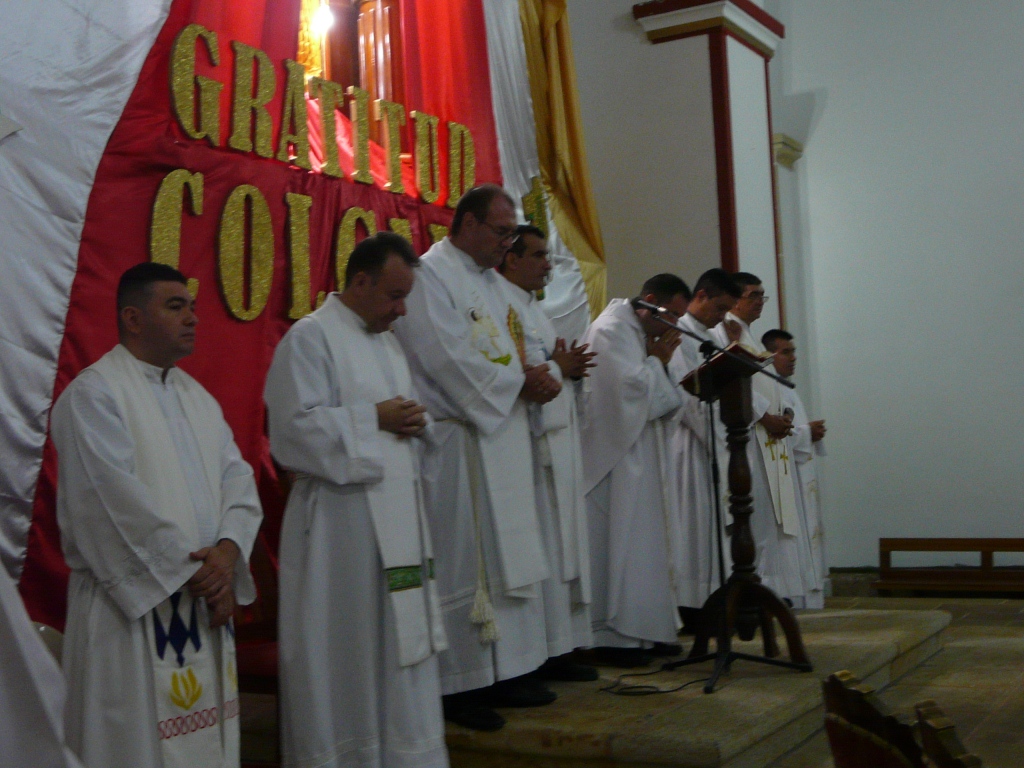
910,257
752,159
650,143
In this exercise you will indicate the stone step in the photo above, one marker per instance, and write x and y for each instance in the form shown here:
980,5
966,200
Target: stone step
757,713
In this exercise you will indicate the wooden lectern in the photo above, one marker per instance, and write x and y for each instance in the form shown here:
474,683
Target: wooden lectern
743,603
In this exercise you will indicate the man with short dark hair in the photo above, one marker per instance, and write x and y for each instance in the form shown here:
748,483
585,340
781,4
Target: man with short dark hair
557,468
805,441
491,560
714,295
360,623
634,536
158,514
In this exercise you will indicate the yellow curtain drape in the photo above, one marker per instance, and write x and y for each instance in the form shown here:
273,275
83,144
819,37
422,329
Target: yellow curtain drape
563,162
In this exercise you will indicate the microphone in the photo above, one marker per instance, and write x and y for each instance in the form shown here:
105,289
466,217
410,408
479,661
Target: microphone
654,309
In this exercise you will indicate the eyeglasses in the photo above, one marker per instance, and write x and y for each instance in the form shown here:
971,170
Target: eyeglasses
503,234
757,297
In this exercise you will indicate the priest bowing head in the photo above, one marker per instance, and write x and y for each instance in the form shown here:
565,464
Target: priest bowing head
378,278
484,225
714,295
666,291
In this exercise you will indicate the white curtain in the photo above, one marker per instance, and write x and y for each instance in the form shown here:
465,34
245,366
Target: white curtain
67,68
565,298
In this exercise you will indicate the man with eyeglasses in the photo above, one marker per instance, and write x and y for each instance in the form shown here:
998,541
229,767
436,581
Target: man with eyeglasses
776,522
489,551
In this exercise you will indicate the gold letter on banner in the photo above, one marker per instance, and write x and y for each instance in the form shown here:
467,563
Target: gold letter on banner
165,229
461,162
246,105
331,97
347,239
359,112
232,252
184,82
294,129
298,253
438,232
393,117
428,159
401,227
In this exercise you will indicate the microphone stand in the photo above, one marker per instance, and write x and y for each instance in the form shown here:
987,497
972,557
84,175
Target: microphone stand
742,593
707,347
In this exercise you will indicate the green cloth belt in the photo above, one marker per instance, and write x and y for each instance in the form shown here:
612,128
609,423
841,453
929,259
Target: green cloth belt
407,576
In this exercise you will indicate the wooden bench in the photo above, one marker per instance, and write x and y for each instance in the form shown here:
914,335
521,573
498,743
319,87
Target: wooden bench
982,578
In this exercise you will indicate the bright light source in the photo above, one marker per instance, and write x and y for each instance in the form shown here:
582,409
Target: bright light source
323,20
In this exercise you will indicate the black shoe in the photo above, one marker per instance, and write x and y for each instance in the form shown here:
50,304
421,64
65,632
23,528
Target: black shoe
466,709
624,658
518,692
665,649
565,669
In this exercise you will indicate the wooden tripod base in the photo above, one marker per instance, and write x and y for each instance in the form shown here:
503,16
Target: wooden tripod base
741,606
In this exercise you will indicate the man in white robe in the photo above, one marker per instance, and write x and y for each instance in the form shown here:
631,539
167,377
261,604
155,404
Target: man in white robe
805,442
775,522
702,570
360,623
633,528
490,552
158,514
32,691
557,462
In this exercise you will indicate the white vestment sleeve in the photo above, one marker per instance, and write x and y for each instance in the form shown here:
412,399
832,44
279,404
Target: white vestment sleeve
116,533
241,514
759,404
31,691
692,414
437,341
664,394
800,441
337,443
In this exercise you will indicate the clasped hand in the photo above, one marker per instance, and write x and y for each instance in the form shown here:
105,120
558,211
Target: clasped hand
539,386
817,430
664,345
405,418
573,361
215,580
777,426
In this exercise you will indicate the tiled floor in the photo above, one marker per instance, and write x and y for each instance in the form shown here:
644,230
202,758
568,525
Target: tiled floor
978,678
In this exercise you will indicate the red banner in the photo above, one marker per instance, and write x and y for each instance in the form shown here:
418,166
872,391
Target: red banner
233,354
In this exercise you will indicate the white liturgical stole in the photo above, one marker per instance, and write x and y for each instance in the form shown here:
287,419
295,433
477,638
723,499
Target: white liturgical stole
505,454
195,697
778,461
371,367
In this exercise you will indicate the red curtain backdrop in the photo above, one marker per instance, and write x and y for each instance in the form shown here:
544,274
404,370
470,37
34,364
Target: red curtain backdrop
446,73
232,356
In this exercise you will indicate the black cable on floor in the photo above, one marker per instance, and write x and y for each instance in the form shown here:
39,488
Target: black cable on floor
618,688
